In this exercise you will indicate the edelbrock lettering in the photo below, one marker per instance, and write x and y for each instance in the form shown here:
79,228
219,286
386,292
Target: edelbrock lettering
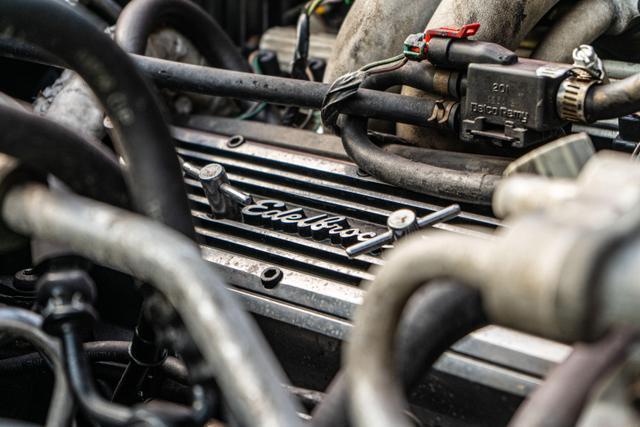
275,214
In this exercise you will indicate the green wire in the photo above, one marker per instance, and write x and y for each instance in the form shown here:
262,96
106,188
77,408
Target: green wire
382,62
252,112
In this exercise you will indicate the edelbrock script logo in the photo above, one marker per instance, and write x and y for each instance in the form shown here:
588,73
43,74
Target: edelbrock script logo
275,214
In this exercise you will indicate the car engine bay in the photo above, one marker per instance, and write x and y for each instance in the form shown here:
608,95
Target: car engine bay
327,213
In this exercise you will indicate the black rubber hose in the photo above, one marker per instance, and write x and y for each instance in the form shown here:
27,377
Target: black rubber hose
562,397
81,381
108,8
280,91
152,173
140,18
235,84
97,351
466,187
86,166
613,100
436,318
476,188
4,422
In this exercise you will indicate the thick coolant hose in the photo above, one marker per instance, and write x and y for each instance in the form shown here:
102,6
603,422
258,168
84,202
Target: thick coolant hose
140,18
436,318
225,335
85,166
562,397
27,325
613,100
152,170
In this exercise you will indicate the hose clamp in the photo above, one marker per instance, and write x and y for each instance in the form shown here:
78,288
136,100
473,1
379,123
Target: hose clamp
441,112
572,95
587,71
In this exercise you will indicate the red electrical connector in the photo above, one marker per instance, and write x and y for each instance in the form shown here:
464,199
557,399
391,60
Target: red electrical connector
453,33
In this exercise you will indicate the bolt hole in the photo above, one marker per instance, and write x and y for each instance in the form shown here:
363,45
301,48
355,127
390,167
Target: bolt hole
271,277
235,141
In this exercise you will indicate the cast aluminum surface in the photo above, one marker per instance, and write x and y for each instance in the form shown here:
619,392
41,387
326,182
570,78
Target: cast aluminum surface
321,285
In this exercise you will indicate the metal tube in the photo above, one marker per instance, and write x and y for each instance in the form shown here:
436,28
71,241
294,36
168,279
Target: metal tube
26,324
227,338
376,393
620,69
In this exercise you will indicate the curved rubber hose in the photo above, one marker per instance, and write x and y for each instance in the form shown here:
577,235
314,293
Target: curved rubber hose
26,324
613,100
82,383
152,173
436,318
562,397
402,172
140,18
87,167
419,177
417,261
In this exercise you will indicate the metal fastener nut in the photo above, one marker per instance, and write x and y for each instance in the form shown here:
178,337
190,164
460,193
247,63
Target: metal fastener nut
271,277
